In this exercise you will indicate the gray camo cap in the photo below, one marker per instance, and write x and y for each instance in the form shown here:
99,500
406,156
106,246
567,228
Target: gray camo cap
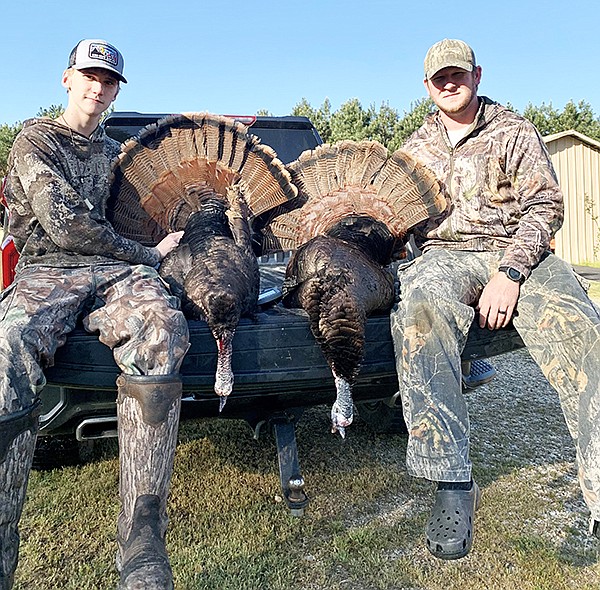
448,53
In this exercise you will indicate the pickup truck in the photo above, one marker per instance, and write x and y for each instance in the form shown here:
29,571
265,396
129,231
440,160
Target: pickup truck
279,369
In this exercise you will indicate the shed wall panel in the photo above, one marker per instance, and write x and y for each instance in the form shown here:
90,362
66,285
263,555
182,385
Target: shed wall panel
577,166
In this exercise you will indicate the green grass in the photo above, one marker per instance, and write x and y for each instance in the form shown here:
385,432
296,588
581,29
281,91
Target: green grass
594,264
594,291
363,529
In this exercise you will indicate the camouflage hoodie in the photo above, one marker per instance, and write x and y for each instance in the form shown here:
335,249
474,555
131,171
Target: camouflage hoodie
57,189
500,184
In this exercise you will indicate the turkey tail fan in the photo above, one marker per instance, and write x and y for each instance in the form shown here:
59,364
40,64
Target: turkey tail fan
358,162
128,217
325,173
318,217
356,179
410,189
313,170
281,233
162,175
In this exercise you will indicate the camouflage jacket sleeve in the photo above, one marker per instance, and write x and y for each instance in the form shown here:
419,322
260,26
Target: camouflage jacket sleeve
530,169
58,211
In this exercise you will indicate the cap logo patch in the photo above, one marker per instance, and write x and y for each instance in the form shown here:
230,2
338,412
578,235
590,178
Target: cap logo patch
103,52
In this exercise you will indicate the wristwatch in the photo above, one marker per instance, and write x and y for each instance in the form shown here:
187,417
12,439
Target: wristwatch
512,273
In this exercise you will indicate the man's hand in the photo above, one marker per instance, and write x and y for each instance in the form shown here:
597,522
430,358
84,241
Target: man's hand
169,243
498,301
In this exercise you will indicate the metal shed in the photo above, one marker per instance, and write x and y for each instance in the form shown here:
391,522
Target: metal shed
576,159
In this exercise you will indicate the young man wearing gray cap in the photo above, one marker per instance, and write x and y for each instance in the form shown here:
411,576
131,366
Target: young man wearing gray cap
74,265
487,258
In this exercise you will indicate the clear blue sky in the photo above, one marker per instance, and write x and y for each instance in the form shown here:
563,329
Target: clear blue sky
236,57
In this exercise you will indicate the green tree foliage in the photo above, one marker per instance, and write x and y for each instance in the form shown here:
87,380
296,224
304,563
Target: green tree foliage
414,118
7,136
53,111
386,125
544,117
351,121
321,117
579,117
9,132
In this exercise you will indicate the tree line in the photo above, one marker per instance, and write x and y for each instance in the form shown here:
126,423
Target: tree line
390,128
384,124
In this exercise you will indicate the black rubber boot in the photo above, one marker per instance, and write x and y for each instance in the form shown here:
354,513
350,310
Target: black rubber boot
144,561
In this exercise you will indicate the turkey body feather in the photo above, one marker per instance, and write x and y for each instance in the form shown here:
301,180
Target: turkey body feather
338,286
215,274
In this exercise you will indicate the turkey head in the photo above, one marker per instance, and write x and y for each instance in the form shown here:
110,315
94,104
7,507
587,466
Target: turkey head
206,175
358,205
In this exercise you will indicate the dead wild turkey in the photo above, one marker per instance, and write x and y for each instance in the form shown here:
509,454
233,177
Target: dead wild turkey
206,175
358,205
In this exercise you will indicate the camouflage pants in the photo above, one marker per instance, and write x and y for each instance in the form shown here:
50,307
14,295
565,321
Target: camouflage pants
556,320
128,305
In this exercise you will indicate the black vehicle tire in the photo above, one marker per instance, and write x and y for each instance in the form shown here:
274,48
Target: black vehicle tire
53,452
382,417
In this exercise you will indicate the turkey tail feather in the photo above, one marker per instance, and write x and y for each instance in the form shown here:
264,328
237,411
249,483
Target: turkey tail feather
352,179
411,190
182,158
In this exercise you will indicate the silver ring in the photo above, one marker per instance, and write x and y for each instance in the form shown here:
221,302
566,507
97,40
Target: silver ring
502,312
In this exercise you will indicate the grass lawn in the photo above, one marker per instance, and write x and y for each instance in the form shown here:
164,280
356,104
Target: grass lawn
594,291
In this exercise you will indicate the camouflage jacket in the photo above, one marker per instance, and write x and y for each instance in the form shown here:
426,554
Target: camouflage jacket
500,184
57,189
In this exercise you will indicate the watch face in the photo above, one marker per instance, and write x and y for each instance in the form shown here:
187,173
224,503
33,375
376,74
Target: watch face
513,274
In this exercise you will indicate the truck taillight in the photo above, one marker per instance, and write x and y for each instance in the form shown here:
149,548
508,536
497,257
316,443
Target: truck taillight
10,257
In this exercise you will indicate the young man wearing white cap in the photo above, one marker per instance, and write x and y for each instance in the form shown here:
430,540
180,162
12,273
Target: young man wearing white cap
74,265
487,259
